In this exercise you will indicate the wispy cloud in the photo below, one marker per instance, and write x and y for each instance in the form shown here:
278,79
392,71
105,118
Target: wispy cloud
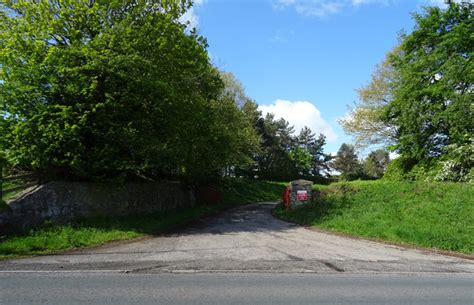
310,8
282,35
439,3
321,8
363,2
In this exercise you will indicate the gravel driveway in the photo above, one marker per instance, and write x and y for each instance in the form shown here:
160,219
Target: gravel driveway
247,239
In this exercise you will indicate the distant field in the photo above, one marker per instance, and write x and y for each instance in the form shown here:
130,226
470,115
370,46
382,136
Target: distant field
436,215
52,238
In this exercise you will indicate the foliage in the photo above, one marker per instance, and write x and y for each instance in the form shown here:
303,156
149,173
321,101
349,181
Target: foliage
432,100
365,121
52,238
420,98
436,215
347,163
107,89
284,155
319,162
234,89
456,165
397,169
376,163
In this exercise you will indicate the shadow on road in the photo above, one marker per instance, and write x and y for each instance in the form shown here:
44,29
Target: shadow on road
249,218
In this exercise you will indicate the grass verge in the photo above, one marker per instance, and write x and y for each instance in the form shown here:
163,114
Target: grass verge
434,215
51,238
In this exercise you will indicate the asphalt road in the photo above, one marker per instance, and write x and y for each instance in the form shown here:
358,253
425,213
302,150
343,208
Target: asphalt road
245,288
247,239
242,256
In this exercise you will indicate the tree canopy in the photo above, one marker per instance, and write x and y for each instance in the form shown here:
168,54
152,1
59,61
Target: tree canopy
284,154
100,89
347,163
376,163
419,101
433,95
365,121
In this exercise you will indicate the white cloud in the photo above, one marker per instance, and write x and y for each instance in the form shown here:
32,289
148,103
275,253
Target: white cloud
190,16
300,114
439,3
393,155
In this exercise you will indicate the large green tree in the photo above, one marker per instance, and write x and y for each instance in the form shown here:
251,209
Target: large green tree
318,161
96,89
432,100
376,163
419,101
346,162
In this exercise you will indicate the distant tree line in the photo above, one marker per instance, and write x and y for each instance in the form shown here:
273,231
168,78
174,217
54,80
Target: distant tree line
285,155
419,102
282,154
347,163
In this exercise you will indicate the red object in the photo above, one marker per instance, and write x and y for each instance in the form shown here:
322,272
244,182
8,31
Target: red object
302,195
208,195
286,197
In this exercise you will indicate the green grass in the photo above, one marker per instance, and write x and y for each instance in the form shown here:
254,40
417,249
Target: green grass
7,196
51,238
248,191
435,215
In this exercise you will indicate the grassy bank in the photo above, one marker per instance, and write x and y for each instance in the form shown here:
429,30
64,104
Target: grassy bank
52,238
247,191
435,215
6,196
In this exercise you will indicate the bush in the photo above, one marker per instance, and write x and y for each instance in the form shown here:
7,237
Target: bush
449,167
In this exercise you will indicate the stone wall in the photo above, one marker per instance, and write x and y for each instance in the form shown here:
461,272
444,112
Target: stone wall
300,186
63,201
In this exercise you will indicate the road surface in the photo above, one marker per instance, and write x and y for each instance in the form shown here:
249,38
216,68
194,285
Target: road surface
244,288
248,239
242,256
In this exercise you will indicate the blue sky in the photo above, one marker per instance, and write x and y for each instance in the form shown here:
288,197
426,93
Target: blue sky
303,59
